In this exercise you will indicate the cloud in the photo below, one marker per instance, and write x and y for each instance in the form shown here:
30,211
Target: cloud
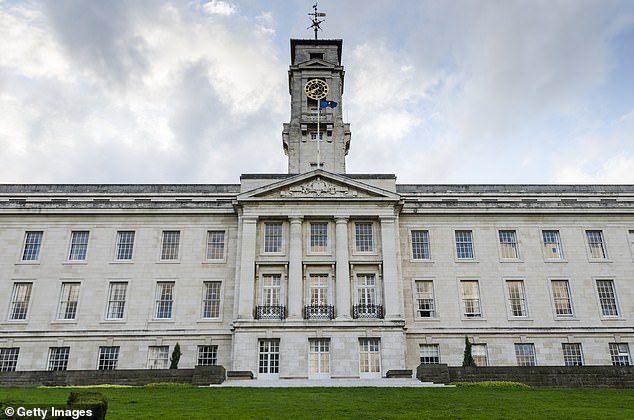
616,170
219,7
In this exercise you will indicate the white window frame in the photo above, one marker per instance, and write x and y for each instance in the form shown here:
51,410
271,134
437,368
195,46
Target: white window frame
595,240
214,299
269,357
630,240
78,247
560,254
429,354
266,239
108,357
159,299
482,354
319,358
20,298
167,254
209,244
114,299
158,357
572,354
119,246
58,358
504,245
34,258
424,245
617,307
68,298
464,299
509,298
620,354
525,354
309,238
418,297
369,358
9,358
208,354
357,237
459,244
554,299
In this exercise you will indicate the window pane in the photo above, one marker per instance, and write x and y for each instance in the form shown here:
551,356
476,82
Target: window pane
620,354
211,299
215,245
425,299
471,298
108,358
596,244
508,244
552,245
271,285
68,301
9,358
164,299
607,298
370,355
125,245
158,357
319,237
517,301
273,237
525,355
364,240
464,244
207,355
116,300
169,249
319,356
78,246
479,354
58,358
572,354
32,244
429,354
20,300
561,298
269,356
420,245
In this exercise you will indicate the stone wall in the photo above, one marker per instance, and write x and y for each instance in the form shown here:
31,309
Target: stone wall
540,376
200,375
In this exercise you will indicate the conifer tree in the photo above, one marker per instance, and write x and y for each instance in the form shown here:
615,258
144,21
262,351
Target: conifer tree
468,357
176,356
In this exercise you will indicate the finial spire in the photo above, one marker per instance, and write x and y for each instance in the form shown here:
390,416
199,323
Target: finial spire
315,19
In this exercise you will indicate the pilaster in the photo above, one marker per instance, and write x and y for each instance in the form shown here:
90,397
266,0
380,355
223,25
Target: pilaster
343,268
393,303
247,267
295,270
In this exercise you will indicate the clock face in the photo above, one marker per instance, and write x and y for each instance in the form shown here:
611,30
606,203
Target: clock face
316,89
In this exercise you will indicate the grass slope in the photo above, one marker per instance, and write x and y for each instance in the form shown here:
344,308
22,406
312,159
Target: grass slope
183,402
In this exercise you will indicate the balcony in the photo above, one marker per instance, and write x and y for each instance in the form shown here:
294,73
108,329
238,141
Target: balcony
319,312
367,311
270,312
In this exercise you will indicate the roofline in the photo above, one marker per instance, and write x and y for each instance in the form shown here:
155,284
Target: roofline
337,42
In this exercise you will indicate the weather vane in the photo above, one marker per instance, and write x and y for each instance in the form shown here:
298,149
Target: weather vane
315,19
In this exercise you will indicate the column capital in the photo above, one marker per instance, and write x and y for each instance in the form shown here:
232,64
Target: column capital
295,219
341,219
387,219
249,219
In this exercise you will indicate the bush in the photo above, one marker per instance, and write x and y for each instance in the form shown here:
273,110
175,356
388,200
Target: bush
492,384
85,400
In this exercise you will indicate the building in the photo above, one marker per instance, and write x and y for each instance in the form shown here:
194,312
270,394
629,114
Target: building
315,273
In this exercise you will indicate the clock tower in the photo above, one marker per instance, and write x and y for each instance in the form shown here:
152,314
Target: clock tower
316,136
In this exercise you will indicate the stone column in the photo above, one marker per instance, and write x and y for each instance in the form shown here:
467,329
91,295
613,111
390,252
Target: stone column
295,283
393,303
343,268
247,267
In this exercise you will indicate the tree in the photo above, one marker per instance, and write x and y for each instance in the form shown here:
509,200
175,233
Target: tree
468,357
176,356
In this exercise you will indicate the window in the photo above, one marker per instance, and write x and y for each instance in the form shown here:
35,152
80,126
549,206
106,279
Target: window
313,56
426,307
319,289
9,358
420,245
125,245
561,298
367,289
58,358
620,354
319,357
269,356
631,238
169,247
207,355
370,356
211,299
273,237
464,245
108,357
525,354
572,354
116,300
216,245
479,354
32,245
313,134
164,300
271,288
517,300
470,299
508,244
319,237
364,237
78,245
596,244
607,298
20,300
552,245
68,301
429,354
157,357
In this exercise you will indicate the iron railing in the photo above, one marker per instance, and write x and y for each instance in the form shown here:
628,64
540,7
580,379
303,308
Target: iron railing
319,312
367,311
270,312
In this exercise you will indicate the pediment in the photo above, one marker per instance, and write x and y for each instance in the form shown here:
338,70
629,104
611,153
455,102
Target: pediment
315,63
318,185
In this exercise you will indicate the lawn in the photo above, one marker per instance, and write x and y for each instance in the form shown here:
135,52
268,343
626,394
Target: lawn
185,402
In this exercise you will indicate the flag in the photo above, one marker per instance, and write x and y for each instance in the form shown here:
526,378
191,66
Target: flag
327,104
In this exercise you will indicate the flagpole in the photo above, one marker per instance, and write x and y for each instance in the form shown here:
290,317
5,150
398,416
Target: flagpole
318,134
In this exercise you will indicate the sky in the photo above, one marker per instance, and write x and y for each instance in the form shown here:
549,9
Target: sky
436,92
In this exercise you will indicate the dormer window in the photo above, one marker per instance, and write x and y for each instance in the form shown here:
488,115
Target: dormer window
313,56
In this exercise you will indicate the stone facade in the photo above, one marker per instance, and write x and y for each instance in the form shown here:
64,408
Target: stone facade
315,273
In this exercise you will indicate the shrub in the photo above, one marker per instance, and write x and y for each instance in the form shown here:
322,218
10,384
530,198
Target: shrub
86,400
176,356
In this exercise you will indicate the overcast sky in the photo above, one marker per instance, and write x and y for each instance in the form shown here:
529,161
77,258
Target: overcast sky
144,91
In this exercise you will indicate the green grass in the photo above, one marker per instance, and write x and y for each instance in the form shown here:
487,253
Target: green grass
473,402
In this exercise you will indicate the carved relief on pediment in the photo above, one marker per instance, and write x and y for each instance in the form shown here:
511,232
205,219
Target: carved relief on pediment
319,187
